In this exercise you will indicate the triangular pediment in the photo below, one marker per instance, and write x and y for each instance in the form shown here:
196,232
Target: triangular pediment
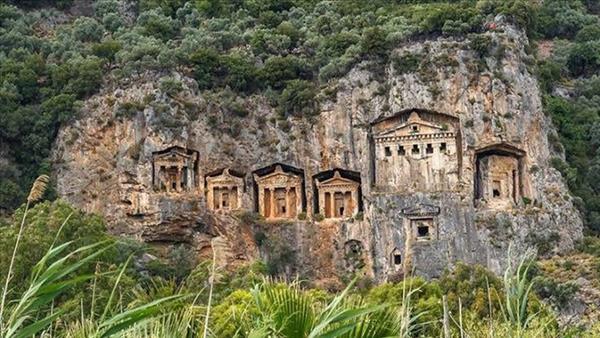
174,152
225,177
278,175
414,126
421,210
338,181
409,129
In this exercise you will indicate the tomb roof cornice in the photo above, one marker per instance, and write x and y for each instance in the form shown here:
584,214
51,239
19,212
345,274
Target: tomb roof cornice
445,135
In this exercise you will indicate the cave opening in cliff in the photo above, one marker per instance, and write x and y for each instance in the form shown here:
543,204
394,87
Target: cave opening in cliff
397,258
415,149
499,175
337,193
388,151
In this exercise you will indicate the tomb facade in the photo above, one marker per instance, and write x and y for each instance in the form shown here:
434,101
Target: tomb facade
280,194
499,175
422,222
224,190
338,197
174,170
416,151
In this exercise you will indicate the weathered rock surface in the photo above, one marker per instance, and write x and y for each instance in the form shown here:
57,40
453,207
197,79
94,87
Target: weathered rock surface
103,164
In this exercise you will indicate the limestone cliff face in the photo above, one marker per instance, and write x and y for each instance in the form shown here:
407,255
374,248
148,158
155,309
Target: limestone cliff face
458,207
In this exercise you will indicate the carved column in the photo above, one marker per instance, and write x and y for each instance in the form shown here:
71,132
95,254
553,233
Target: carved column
190,178
298,198
168,180
348,204
288,206
210,197
178,179
272,211
232,198
354,197
328,204
321,202
261,201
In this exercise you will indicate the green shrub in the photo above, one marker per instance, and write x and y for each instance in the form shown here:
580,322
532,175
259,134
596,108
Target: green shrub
558,294
43,222
107,49
87,30
584,58
206,64
129,109
589,245
480,44
278,70
471,285
298,99
407,63
543,242
155,23
588,33
170,86
548,73
239,73
559,18
451,27
373,42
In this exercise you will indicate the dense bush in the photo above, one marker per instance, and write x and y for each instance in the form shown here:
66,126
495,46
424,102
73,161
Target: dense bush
578,123
42,230
298,99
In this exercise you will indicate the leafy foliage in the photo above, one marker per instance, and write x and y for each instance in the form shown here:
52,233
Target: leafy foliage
576,117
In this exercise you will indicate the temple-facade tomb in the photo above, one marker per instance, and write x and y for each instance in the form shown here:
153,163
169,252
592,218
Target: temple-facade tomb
416,154
280,192
338,197
174,170
499,177
224,190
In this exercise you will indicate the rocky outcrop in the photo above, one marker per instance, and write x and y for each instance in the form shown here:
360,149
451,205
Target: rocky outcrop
104,164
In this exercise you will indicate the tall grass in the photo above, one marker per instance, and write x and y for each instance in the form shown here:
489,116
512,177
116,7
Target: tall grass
516,319
31,312
36,193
